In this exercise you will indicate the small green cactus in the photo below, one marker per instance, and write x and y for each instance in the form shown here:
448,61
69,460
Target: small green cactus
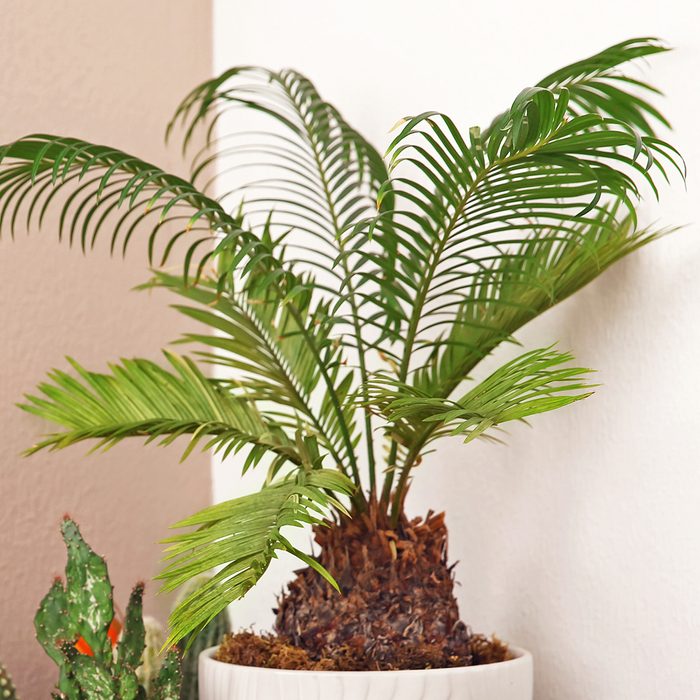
7,688
75,625
169,679
193,645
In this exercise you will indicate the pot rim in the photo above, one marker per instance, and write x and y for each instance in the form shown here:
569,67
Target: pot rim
521,657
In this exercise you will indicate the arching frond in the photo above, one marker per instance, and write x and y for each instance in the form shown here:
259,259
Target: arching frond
532,383
320,177
597,86
490,229
240,538
465,202
531,277
303,163
141,398
100,190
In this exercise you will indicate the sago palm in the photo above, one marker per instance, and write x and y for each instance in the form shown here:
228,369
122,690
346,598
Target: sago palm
347,300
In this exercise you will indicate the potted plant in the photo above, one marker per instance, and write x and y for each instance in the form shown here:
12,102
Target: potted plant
349,300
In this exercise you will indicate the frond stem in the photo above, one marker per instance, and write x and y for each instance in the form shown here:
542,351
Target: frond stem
359,497
364,376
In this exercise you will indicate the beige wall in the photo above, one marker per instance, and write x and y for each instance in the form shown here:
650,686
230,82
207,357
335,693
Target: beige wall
110,72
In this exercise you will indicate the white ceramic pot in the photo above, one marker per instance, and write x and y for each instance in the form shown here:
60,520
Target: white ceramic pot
508,680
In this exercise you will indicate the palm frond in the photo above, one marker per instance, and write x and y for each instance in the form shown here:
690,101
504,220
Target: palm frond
240,538
531,383
320,178
503,205
102,190
273,358
466,202
141,398
305,164
522,283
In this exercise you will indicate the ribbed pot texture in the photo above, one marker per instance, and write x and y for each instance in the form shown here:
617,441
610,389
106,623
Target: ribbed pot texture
507,680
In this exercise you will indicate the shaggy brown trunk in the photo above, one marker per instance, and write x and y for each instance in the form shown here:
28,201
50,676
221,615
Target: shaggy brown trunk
397,610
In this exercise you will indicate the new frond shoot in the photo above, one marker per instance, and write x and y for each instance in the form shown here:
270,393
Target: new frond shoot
344,298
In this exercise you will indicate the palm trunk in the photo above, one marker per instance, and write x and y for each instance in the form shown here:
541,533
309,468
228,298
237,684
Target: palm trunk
397,610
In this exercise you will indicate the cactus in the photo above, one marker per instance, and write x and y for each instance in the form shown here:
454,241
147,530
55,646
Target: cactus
169,679
194,644
7,688
76,626
151,659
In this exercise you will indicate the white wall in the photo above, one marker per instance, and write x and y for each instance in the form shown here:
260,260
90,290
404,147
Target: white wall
580,540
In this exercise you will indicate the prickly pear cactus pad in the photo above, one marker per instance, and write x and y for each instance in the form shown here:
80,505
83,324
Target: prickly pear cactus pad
7,688
75,624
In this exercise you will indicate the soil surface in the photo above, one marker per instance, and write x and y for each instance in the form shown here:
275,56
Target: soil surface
271,651
397,611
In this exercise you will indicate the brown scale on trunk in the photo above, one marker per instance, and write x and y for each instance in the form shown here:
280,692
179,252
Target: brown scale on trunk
397,609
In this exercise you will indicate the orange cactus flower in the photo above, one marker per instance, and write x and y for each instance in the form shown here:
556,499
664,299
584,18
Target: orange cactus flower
113,633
